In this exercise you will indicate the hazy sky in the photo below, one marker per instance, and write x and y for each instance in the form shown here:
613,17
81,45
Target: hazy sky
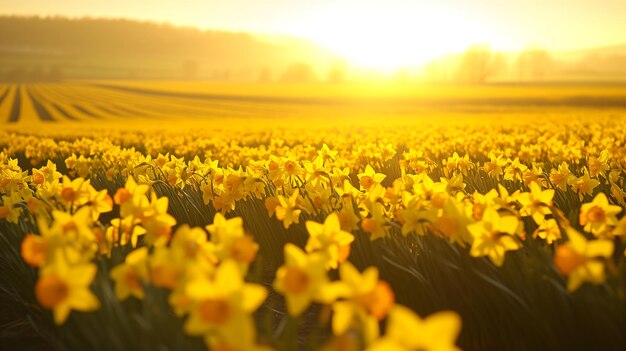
357,25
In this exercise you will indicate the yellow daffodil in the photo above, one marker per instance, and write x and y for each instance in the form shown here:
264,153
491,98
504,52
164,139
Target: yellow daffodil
562,177
303,280
10,209
288,211
35,250
329,239
157,222
406,331
536,203
124,230
130,275
582,260
494,235
132,198
221,308
598,216
230,241
494,167
367,300
63,288
515,170
548,230
99,201
584,185
369,177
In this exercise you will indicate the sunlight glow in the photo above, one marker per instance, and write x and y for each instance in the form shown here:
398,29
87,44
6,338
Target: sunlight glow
390,38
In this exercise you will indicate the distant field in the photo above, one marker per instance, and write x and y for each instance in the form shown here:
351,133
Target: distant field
113,100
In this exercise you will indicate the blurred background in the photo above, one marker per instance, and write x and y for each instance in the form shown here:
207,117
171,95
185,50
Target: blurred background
478,41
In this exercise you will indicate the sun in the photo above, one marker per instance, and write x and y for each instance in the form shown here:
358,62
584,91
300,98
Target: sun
388,38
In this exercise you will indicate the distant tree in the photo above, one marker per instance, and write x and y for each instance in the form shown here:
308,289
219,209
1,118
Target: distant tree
478,63
55,73
17,74
37,74
534,63
112,47
337,72
298,72
437,71
190,70
265,76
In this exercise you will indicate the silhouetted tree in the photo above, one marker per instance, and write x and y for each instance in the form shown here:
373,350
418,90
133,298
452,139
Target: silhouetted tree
337,72
298,72
265,76
534,63
190,69
478,63
56,73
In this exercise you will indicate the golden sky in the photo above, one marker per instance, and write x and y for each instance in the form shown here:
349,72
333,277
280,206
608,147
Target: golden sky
415,30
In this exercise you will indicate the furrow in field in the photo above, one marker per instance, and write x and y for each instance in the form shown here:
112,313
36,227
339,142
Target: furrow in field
4,94
86,111
177,105
53,107
62,105
71,105
90,103
41,110
28,112
14,116
7,104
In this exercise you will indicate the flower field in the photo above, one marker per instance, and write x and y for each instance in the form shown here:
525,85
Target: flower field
276,230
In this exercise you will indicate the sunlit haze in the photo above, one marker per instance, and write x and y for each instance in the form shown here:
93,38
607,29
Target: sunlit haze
382,34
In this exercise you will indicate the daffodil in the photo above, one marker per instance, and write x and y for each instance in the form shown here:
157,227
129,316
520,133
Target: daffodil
303,280
348,218
562,177
74,193
191,247
157,222
406,331
548,230
130,275
582,260
369,177
376,223
62,287
451,222
598,216
132,198
288,211
221,308
494,235
125,230
166,269
584,185
515,170
329,239
367,301
10,209
35,250
599,165
494,167
536,203
99,201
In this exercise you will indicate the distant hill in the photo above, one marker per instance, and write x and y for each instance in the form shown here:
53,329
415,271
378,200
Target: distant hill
604,61
55,48
614,50
116,48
